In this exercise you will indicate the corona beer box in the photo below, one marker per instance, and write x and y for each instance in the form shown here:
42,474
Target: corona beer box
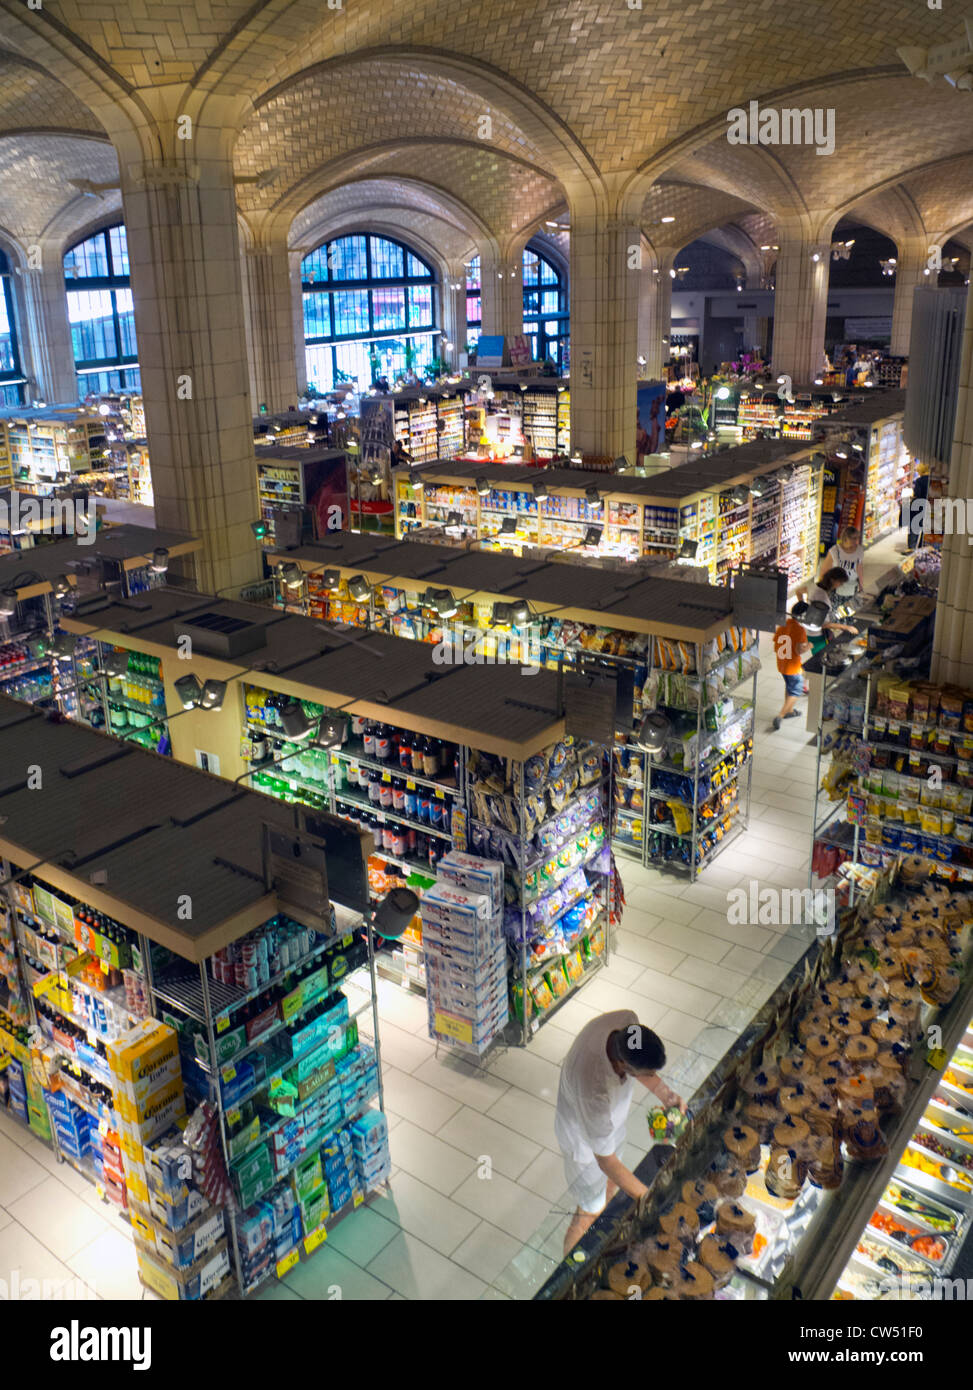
143,1052
141,1111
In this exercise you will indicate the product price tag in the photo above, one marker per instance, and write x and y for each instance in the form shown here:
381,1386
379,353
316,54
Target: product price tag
316,1238
358,1199
285,1265
223,1023
100,1189
103,1128
352,767
386,776
228,1073
233,1117
410,786
894,728
348,940
441,794
104,966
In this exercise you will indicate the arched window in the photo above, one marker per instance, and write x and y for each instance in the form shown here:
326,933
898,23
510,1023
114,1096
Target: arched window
546,311
11,375
101,314
474,304
369,311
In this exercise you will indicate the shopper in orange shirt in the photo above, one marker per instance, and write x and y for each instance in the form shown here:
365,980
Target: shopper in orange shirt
790,644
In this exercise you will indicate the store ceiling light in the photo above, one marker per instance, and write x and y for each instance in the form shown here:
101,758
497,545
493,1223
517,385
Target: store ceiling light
815,616
541,493
760,485
453,520
653,733
483,486
61,586
592,495
295,722
115,663
64,644
621,463
785,472
508,526
667,219
502,615
841,452
592,536
187,688
417,482
819,381
290,575
444,603
687,551
212,695
520,611
740,494
8,603
359,588
159,563
696,444
331,580
395,913
332,732
723,393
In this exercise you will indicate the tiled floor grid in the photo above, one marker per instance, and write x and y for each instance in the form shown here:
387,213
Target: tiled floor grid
476,1206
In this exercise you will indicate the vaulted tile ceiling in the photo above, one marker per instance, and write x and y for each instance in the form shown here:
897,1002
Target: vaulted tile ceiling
474,125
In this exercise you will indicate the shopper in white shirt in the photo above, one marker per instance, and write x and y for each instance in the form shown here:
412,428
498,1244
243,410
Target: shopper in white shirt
593,1101
846,554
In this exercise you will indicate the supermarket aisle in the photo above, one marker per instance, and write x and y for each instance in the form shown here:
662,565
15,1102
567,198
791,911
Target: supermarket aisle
477,1205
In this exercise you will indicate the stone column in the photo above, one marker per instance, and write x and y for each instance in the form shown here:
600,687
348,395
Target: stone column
180,211
655,311
909,266
501,295
47,352
453,322
294,259
800,307
605,274
270,318
953,643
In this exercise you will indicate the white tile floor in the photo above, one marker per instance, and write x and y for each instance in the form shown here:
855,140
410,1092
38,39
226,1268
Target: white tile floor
476,1206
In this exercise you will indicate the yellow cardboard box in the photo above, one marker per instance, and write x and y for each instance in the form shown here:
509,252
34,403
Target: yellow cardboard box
143,1051
143,1112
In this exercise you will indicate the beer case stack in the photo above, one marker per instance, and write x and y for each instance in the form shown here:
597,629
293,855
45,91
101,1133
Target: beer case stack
179,1235
466,957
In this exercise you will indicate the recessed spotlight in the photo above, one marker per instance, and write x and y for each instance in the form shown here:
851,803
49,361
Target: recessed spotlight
667,219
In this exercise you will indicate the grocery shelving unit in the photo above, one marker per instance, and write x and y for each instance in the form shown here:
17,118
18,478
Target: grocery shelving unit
395,683
712,788
760,411
165,962
633,518
882,463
